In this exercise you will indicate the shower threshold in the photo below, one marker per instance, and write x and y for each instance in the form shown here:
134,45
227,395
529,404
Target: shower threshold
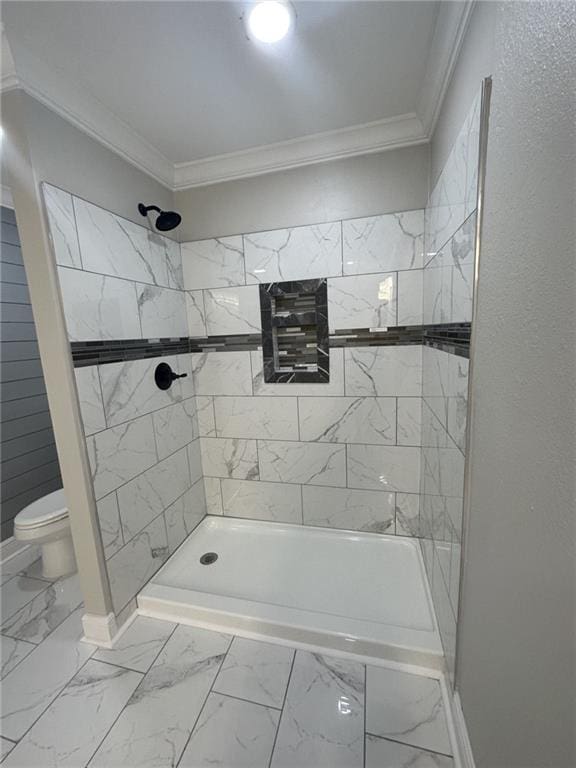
361,593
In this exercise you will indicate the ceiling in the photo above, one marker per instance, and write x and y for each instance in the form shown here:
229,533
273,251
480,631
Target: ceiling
189,87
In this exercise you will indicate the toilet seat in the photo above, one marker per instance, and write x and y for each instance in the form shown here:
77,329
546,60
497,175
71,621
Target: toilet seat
42,512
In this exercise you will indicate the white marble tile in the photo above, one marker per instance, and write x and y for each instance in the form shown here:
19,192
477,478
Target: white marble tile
409,421
139,645
6,746
410,297
138,560
74,725
111,245
388,468
173,262
362,301
120,453
36,681
232,310
437,297
213,263
294,254
334,387
462,294
231,733
407,514
110,528
256,672
277,502
213,494
323,719
90,397
146,496
406,708
194,460
371,511
293,462
13,651
384,371
18,592
98,307
36,620
448,197
185,514
257,417
222,373
196,313
162,312
129,389
383,243
205,416
370,420
229,457
382,753
25,563
175,426
458,400
155,725
62,223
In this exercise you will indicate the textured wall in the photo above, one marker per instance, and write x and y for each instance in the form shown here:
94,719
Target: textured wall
516,661
29,466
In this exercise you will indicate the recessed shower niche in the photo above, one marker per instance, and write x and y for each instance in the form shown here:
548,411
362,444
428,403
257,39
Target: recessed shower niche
295,331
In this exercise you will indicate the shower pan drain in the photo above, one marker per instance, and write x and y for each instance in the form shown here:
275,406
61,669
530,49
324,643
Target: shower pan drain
208,558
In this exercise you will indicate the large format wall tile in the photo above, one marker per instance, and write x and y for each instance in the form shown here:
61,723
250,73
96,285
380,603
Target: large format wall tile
206,416
409,421
142,499
294,254
383,243
162,312
232,310
213,263
409,297
175,426
229,457
371,511
196,313
362,301
98,307
185,514
90,397
110,527
213,495
257,417
62,225
194,460
276,502
292,462
333,388
388,468
120,453
111,245
222,373
348,420
384,371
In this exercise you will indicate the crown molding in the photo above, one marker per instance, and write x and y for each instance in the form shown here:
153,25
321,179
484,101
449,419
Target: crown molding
85,112
449,30
401,131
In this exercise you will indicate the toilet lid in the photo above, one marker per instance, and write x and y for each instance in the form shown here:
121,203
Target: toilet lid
48,509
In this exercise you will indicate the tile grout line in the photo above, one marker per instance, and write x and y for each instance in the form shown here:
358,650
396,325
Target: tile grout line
407,744
283,707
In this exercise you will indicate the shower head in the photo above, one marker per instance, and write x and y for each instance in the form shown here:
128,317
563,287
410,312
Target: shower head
166,220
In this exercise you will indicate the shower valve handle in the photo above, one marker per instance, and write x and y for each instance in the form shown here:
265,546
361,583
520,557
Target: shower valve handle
164,376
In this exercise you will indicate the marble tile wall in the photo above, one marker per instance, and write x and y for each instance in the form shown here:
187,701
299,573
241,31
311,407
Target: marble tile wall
122,281
450,223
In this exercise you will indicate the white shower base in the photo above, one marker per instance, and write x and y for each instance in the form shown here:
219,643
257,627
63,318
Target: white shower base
358,592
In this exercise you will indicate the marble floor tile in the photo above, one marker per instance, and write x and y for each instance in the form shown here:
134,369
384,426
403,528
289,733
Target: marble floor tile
38,679
73,726
18,592
139,645
6,746
157,721
323,719
36,620
13,651
381,753
256,672
406,708
231,734
25,563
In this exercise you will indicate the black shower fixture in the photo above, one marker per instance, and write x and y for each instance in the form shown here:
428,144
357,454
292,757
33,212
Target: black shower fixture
166,220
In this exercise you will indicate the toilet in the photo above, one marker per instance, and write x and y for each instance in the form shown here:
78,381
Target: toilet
45,522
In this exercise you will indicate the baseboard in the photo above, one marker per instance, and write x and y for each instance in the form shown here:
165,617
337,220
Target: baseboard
99,630
12,547
464,747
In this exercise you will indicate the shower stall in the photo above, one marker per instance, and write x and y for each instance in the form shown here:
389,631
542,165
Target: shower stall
296,468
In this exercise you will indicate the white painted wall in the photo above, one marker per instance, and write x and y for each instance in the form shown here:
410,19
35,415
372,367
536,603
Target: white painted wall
516,662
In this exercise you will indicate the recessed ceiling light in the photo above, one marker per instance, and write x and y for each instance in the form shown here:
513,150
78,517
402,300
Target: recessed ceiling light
270,20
